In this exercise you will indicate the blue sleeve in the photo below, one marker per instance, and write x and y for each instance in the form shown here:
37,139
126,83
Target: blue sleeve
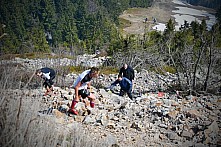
115,83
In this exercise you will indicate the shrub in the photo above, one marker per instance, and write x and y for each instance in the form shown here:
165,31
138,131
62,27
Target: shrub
162,70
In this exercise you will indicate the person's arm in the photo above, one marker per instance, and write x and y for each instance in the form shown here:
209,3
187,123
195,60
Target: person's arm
76,90
52,73
114,84
132,73
121,71
89,86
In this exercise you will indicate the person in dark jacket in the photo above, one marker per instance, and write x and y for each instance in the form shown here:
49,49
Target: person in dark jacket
125,85
48,75
127,71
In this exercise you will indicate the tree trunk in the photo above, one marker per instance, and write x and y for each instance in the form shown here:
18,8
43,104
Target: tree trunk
197,63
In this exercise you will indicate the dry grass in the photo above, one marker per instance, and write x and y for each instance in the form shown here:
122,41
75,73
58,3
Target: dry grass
124,23
109,70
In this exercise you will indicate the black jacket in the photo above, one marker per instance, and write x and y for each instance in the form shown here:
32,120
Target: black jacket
48,73
128,73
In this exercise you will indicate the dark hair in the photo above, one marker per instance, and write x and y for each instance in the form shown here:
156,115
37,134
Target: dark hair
38,71
94,69
119,76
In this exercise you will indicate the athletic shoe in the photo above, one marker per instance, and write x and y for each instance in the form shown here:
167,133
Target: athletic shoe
73,111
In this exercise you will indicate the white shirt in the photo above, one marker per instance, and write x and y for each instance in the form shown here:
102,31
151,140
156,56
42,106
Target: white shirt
80,77
46,75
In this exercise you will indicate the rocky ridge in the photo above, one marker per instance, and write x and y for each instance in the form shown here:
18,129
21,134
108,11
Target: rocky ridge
81,60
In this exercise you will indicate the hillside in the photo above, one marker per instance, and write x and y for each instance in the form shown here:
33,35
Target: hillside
51,26
152,118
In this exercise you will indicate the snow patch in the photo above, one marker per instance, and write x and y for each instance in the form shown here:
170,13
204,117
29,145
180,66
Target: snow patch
159,27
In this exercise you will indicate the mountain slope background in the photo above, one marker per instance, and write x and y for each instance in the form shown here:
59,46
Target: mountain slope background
141,20
215,4
74,26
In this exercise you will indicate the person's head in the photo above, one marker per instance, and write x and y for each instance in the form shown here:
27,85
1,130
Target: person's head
125,65
94,72
119,78
38,72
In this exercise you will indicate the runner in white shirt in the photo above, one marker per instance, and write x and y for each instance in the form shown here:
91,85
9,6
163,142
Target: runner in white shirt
82,86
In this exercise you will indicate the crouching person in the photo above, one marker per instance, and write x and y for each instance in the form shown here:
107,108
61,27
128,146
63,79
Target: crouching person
48,75
82,88
125,85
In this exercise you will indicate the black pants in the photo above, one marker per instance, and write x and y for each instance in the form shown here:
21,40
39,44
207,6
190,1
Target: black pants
84,93
48,82
128,93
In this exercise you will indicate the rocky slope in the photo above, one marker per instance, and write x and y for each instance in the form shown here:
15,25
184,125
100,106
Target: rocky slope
151,119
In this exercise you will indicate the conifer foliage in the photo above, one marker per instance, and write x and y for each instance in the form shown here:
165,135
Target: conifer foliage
43,25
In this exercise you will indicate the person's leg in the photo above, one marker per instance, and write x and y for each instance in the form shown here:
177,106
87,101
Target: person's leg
121,92
130,95
74,102
92,97
72,109
51,82
47,86
85,93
